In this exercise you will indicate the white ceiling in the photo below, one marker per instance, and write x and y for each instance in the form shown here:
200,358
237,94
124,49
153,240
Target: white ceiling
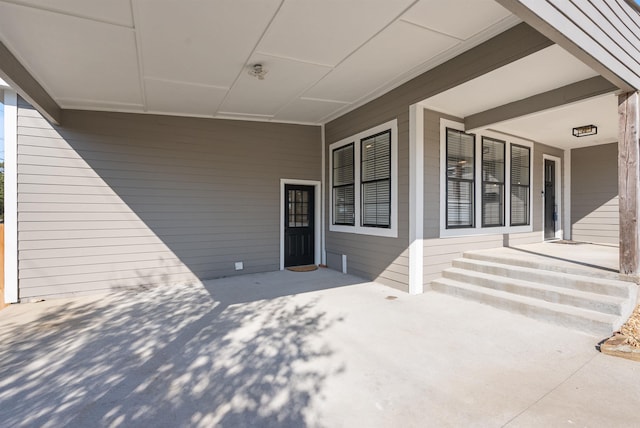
191,57
542,71
554,126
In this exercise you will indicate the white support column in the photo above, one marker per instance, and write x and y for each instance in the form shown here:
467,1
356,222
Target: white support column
566,195
323,202
10,196
416,199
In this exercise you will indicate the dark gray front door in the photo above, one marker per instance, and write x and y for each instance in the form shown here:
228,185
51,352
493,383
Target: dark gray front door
298,225
550,214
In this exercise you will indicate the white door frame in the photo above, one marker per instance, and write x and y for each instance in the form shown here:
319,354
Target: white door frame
317,226
558,195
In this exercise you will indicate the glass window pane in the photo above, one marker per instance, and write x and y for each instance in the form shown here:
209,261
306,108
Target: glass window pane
459,203
376,201
493,174
460,155
344,205
376,157
520,185
460,178
519,205
520,165
492,204
376,180
343,165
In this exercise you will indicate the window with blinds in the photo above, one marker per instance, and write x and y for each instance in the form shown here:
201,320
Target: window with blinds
493,171
460,179
343,185
520,185
375,176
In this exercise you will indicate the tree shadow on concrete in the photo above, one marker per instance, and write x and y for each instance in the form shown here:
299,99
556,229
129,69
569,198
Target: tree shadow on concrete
218,355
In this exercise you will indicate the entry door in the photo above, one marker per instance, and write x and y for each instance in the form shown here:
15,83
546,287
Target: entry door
550,214
298,225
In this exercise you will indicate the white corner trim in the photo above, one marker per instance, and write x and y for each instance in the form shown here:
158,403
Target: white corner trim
478,229
566,192
10,196
316,215
558,179
392,232
323,178
416,199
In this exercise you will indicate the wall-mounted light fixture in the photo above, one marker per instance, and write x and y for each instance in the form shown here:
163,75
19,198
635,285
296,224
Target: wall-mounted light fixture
583,131
257,70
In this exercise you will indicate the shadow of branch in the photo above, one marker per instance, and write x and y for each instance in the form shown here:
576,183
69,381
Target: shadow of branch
166,356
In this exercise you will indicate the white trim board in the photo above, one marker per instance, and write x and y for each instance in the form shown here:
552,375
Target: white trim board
10,196
316,217
566,195
416,199
323,175
558,195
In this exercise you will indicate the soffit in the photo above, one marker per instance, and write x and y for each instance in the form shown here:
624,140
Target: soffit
554,126
545,70
191,57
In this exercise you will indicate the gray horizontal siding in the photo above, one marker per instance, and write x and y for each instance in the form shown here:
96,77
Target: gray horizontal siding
604,34
594,194
117,200
383,259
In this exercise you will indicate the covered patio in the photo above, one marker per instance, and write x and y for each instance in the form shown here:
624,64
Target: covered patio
300,349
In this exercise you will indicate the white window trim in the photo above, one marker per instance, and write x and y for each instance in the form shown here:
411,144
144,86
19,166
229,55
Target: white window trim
478,229
391,232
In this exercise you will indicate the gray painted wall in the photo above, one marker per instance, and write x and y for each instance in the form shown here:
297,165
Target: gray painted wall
440,252
386,259
383,259
116,200
594,194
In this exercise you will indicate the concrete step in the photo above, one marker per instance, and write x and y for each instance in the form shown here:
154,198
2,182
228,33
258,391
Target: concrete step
539,290
540,262
588,321
605,286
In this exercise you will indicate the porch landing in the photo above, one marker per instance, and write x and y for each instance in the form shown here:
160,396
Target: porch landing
580,258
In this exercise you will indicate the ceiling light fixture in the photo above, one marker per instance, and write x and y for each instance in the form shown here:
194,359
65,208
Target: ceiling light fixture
583,131
257,70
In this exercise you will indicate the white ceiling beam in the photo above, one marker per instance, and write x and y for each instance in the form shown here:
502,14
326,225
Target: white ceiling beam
24,84
568,94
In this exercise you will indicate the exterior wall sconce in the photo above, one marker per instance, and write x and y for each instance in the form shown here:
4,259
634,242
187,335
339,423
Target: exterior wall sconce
583,131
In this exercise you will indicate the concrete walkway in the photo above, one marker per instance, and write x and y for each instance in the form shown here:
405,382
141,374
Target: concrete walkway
316,349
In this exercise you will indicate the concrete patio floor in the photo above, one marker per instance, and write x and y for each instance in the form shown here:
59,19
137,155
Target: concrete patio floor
300,349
